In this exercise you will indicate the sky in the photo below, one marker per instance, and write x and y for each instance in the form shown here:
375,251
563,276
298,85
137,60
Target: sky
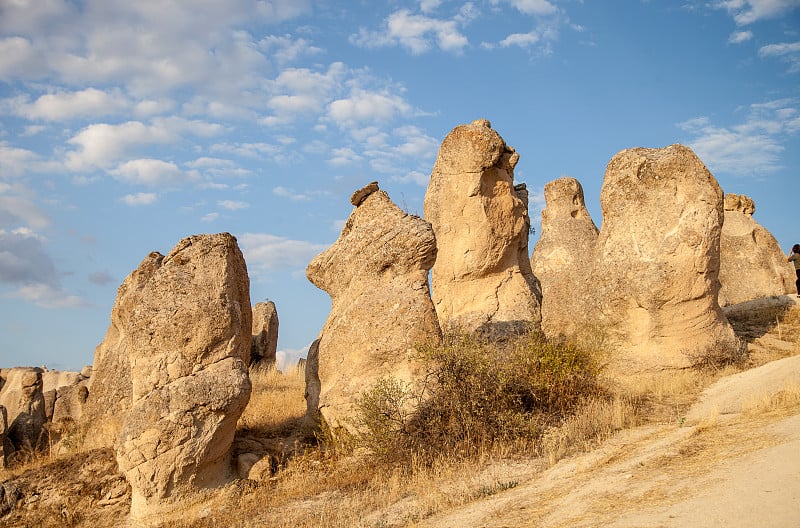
126,126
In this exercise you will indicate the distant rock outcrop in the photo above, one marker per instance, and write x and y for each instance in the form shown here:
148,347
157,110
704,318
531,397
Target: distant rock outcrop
22,397
752,264
187,335
264,343
655,278
482,278
563,257
110,396
377,276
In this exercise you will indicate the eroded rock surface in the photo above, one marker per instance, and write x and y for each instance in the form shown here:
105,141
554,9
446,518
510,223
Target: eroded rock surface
186,330
264,343
22,396
563,256
377,276
482,277
655,276
752,264
110,395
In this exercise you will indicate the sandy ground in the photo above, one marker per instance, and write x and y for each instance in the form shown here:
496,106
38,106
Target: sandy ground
724,466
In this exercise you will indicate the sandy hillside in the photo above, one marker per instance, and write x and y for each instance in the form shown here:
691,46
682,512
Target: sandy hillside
733,460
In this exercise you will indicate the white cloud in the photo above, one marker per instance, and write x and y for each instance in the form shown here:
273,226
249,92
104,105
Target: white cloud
232,205
777,50
530,7
737,37
248,150
14,162
287,358
523,40
47,296
367,107
417,33
139,199
427,6
789,52
267,253
151,172
17,208
751,148
746,12
26,266
63,106
344,156
101,145
287,49
210,217
291,194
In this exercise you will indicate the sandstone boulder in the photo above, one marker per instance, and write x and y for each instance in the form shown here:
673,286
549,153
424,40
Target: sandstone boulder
655,277
185,325
65,395
22,396
563,256
110,394
752,264
377,276
482,278
264,343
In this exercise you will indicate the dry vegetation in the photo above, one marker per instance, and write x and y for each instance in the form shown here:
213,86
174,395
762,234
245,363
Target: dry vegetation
424,454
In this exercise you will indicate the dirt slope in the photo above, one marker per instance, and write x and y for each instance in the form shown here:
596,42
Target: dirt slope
736,465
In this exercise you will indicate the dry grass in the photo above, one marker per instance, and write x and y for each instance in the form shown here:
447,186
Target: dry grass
276,402
327,486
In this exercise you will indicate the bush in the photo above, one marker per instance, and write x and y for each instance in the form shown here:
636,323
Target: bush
474,394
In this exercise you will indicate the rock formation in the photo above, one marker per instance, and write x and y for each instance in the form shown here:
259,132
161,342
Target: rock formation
655,278
265,333
183,321
377,276
752,264
110,396
65,395
563,256
21,395
3,433
482,277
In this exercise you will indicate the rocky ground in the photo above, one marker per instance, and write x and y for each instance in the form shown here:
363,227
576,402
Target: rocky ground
729,460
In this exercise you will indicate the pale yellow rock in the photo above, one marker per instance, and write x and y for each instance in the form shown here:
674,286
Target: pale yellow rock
655,278
110,389
377,276
752,264
563,256
186,330
21,395
482,278
264,344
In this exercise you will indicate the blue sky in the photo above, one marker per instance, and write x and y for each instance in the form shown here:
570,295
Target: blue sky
126,126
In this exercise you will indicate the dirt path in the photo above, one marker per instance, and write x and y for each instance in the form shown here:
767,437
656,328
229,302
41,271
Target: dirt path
729,466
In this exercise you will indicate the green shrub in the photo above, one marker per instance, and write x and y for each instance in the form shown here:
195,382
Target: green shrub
475,393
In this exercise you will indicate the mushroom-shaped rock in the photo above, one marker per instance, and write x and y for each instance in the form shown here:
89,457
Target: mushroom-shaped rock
482,277
655,278
377,276
562,257
752,264
187,336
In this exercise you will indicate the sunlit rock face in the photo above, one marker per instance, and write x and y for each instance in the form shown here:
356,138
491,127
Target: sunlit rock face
655,276
376,274
752,264
482,278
